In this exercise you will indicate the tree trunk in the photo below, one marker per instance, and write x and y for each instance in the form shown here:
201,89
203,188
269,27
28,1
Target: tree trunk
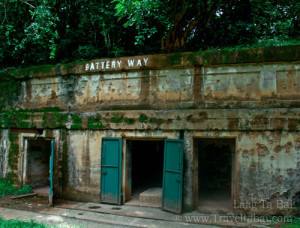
184,24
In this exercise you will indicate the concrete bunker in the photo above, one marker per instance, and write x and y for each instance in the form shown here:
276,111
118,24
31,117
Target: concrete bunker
38,164
215,174
250,95
144,170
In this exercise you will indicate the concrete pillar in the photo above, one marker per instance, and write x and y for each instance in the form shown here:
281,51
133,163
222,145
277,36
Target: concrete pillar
188,183
4,149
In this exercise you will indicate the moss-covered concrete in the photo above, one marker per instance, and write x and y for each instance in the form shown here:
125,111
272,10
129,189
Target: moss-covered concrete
13,151
218,57
204,119
10,90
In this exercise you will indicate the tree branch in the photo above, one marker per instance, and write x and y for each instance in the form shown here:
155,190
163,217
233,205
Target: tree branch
4,5
27,4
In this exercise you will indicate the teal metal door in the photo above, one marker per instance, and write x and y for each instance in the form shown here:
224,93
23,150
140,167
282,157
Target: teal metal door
172,179
51,173
111,157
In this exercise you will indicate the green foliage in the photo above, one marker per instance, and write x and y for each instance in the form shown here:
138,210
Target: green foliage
19,223
50,31
27,28
86,52
25,189
294,224
254,22
146,16
6,188
42,30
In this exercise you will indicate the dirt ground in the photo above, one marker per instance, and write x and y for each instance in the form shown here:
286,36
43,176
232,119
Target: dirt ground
34,203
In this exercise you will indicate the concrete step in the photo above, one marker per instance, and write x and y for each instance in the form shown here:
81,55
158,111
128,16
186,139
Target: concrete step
151,197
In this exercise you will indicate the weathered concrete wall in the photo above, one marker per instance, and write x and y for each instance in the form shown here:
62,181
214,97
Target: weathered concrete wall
251,82
84,165
266,165
260,85
95,92
84,159
269,165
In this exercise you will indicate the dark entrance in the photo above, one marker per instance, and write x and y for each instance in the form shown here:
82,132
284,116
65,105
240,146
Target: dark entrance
144,170
38,159
215,159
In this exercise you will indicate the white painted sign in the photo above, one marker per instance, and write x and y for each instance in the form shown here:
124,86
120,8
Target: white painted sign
116,64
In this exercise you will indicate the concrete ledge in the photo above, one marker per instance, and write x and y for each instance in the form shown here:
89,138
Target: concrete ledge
161,61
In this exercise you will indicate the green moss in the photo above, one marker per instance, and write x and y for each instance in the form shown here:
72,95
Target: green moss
158,121
5,119
28,72
62,119
129,121
192,58
43,68
46,109
246,54
22,119
175,59
95,123
10,90
76,122
117,118
11,177
129,107
143,118
13,151
54,119
49,109
225,57
67,66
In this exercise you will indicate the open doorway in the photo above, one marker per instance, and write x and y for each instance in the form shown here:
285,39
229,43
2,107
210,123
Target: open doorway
38,159
215,161
144,172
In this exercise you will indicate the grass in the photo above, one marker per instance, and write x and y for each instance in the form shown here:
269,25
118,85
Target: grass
294,224
7,188
18,223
